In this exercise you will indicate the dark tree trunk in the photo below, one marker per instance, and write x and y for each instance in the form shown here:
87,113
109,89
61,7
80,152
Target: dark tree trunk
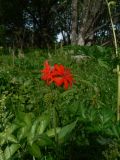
74,22
90,13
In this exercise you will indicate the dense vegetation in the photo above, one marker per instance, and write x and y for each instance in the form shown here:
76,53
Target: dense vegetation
59,97
85,125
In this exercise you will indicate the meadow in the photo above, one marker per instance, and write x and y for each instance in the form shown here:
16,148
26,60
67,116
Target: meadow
47,122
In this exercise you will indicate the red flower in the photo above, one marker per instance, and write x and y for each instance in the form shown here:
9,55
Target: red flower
62,76
57,74
47,73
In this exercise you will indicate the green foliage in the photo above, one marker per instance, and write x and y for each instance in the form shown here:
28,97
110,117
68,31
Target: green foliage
86,125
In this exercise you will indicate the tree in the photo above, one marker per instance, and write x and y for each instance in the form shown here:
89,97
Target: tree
88,15
74,22
34,23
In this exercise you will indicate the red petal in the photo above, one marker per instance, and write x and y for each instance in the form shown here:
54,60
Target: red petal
59,69
65,85
58,81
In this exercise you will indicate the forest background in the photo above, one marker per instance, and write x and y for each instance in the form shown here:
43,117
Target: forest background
34,23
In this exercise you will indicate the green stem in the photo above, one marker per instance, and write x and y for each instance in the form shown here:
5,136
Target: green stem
56,136
117,55
113,29
33,158
55,123
118,98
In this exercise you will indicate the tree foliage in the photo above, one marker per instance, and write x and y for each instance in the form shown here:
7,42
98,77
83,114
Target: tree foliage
34,23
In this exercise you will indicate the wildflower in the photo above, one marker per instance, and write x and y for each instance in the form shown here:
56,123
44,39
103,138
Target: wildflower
57,74
47,73
63,76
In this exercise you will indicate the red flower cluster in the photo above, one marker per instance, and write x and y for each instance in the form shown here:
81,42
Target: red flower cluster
57,74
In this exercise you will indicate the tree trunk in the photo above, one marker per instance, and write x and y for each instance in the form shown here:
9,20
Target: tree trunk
81,36
83,25
90,13
74,22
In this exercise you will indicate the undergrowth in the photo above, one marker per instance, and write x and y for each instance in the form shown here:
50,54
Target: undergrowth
86,113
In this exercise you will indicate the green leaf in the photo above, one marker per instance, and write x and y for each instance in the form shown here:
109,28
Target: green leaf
44,140
116,131
2,138
102,63
34,150
22,133
101,49
1,155
38,127
82,112
44,121
103,141
92,114
7,137
105,116
10,128
24,118
65,131
24,121
10,150
51,132
12,138
32,132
